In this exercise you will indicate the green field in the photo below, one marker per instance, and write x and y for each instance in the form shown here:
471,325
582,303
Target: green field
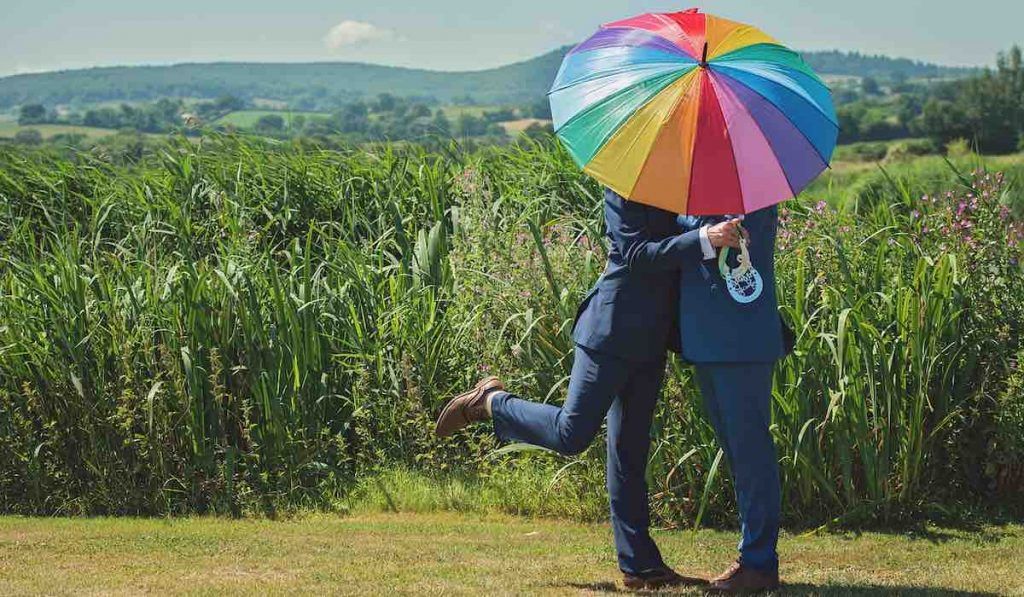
9,129
454,112
418,554
518,126
246,119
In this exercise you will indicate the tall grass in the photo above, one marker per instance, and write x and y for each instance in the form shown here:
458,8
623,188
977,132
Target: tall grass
237,326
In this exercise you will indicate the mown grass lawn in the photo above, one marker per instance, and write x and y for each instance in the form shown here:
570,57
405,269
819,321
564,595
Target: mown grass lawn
457,553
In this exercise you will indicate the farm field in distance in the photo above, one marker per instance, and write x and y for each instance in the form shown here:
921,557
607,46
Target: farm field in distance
453,112
518,126
248,118
8,129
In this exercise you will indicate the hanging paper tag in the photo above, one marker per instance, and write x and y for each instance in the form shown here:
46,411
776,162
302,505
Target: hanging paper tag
744,282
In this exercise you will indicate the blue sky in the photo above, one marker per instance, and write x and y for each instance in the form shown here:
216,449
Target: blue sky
462,34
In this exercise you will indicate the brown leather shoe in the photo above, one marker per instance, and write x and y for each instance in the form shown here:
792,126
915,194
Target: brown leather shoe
466,408
743,579
660,578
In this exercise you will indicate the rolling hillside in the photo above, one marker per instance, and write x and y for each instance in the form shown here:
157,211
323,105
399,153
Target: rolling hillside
325,85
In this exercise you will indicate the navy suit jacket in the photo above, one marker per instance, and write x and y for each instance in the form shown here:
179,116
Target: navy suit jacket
632,310
714,328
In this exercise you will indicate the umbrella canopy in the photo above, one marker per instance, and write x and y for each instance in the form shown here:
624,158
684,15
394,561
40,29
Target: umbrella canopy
694,114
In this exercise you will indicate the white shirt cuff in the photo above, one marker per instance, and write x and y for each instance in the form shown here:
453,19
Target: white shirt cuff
705,244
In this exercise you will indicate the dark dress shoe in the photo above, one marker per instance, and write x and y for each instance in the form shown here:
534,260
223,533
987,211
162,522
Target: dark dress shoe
467,408
660,578
744,579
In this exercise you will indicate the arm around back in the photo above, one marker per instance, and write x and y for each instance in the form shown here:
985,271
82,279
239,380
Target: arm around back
647,237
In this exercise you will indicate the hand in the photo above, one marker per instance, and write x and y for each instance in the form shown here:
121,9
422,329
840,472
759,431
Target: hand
726,234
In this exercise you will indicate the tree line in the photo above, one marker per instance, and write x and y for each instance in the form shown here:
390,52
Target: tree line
162,116
986,110
386,117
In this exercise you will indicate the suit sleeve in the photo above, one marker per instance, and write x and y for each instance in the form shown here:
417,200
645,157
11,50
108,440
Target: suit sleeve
688,223
627,227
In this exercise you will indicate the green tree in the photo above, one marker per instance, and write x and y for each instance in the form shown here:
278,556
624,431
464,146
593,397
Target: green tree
419,111
32,114
908,108
1011,70
353,118
500,115
539,131
850,116
470,126
270,123
539,109
228,103
102,118
28,137
385,103
987,110
869,85
441,125
943,121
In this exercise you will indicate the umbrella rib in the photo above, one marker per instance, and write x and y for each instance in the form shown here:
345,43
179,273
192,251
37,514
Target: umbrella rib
670,77
773,67
732,144
657,68
773,145
672,114
706,80
767,140
651,116
786,116
731,56
662,19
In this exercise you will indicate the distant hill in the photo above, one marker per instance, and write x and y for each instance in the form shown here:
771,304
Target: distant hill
834,62
324,85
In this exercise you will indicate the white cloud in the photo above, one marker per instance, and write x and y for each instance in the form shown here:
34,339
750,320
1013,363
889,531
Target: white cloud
351,33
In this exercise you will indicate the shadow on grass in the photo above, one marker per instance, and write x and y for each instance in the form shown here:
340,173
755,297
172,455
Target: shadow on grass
865,590
799,589
937,526
923,532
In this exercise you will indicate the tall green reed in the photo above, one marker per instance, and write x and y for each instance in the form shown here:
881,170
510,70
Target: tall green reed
235,326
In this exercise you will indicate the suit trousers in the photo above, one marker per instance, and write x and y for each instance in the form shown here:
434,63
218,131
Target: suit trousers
600,385
738,397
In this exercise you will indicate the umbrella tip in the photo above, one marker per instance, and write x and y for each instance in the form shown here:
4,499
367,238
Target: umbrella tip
704,57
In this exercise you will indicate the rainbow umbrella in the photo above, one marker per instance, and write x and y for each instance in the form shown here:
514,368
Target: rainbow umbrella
693,113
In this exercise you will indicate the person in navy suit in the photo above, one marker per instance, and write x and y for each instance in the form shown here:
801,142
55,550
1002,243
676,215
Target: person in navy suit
623,330
733,339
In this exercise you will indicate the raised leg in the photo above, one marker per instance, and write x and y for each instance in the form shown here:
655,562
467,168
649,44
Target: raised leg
569,429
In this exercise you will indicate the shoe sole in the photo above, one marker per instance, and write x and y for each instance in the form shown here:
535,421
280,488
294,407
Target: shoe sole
480,385
646,585
744,591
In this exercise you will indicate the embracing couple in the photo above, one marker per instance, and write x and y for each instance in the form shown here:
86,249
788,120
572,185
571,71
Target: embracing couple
664,290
